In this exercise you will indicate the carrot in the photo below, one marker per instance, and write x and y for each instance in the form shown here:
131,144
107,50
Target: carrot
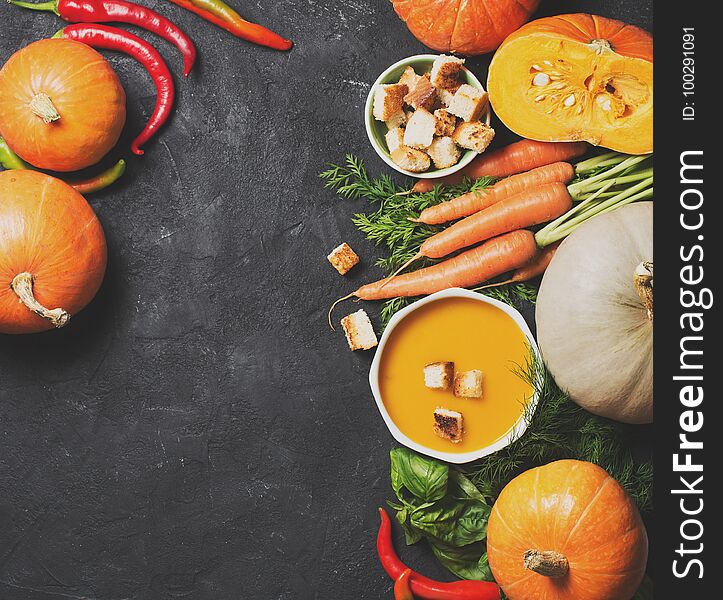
475,266
472,202
529,207
536,267
515,158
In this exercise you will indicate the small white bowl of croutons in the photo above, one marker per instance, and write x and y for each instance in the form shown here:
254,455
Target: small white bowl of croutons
428,116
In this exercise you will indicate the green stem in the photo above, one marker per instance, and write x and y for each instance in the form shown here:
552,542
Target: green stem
602,160
9,160
577,188
51,6
622,180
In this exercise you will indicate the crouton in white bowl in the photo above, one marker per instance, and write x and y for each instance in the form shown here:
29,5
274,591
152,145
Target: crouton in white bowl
435,80
449,419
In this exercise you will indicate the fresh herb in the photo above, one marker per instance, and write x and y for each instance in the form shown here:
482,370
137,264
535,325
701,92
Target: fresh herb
391,224
441,505
560,429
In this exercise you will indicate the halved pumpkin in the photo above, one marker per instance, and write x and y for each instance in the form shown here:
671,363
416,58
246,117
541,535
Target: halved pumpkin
576,77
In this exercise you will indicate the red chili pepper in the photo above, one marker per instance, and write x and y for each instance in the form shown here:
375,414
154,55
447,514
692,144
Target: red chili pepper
422,586
221,14
108,11
402,591
112,38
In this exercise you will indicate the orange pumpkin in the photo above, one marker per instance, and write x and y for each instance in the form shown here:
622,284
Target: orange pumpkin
464,26
52,252
566,531
62,106
576,77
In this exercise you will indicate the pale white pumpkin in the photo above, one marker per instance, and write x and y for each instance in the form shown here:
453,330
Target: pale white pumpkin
594,315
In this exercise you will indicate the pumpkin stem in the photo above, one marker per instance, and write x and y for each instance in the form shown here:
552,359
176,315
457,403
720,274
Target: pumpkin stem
644,285
22,285
43,107
601,46
548,563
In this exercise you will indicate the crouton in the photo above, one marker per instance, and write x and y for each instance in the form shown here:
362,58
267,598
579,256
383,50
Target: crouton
446,71
420,129
446,96
409,78
468,384
444,152
394,138
439,375
411,159
446,122
389,100
343,258
422,95
397,120
448,424
473,136
359,331
468,103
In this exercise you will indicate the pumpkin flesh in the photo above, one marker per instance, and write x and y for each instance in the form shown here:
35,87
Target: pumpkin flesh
575,509
48,230
62,107
576,78
468,27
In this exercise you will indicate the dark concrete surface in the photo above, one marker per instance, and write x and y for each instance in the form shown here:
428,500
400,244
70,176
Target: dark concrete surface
198,432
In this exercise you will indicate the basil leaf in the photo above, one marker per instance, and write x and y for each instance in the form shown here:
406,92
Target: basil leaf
453,522
466,488
469,562
411,535
423,478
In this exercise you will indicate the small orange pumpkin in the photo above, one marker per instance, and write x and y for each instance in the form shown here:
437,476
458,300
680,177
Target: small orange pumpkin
566,531
52,252
464,26
62,106
574,78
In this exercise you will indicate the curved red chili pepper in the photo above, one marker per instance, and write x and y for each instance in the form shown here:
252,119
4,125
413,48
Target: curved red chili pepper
119,11
402,590
112,38
422,586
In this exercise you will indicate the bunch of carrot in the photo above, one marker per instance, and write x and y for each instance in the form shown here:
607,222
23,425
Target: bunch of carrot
533,191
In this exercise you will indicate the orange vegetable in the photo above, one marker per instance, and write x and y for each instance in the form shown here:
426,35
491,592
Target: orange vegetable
530,207
567,531
536,267
464,26
475,266
62,107
52,252
472,202
577,77
515,158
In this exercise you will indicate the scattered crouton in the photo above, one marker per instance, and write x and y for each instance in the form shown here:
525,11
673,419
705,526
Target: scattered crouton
422,95
389,100
343,258
446,122
473,136
468,103
444,152
420,129
439,375
411,159
446,71
359,331
394,138
409,77
397,120
468,384
448,424
446,96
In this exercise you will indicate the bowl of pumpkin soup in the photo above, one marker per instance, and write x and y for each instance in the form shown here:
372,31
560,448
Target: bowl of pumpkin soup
445,375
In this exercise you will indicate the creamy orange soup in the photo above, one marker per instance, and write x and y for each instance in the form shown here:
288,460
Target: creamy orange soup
473,335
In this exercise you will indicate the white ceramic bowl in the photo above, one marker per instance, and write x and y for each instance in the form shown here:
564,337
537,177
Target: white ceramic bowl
377,129
514,433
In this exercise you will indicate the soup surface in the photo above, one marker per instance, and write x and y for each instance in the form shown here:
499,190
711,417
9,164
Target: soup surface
473,335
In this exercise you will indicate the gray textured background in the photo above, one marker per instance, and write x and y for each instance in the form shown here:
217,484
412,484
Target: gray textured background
198,432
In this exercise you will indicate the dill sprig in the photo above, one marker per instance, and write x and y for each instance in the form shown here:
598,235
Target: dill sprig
560,429
390,225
